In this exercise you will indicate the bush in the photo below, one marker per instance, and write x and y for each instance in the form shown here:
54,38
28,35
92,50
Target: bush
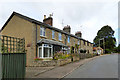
107,51
61,55
84,51
81,51
71,50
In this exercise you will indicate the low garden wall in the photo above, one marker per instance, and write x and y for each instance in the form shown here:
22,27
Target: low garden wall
60,62
76,58
45,63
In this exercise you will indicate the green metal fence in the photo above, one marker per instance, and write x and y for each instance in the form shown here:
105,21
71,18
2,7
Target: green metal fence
0,67
13,57
13,65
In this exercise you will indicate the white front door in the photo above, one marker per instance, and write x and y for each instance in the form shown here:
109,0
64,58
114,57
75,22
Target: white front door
99,51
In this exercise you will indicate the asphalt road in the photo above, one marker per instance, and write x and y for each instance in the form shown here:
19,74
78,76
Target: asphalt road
103,67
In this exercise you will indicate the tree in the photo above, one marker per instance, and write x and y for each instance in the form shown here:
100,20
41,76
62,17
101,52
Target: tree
115,49
118,48
71,49
106,33
76,48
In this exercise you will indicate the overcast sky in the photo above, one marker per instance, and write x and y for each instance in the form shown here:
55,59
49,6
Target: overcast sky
87,16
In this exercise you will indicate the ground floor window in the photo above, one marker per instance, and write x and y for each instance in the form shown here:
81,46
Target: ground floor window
40,52
45,51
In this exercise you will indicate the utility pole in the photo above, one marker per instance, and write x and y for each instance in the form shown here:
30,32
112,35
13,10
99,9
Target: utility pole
104,44
99,42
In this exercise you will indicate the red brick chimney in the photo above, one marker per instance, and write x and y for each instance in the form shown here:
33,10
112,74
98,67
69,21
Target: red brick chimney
48,20
67,29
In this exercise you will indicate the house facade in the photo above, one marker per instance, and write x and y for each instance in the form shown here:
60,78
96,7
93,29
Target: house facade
98,50
42,40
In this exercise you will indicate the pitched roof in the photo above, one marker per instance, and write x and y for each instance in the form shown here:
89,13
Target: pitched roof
50,42
39,23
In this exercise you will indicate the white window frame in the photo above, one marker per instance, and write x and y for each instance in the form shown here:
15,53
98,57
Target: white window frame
43,31
53,34
43,46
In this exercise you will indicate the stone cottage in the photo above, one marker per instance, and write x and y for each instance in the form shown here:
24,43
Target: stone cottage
41,38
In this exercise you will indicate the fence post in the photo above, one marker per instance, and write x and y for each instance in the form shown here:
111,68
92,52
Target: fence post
0,66
0,59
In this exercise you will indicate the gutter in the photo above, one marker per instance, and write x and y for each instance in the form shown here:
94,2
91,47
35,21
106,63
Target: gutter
36,40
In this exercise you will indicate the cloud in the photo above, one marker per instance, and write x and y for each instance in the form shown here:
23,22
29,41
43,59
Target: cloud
90,14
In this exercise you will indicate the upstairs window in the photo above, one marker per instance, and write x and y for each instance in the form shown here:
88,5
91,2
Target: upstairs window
88,43
84,42
53,34
42,31
78,42
60,36
74,41
68,39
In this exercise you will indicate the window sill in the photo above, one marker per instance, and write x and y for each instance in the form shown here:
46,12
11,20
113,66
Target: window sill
60,40
43,36
44,59
53,39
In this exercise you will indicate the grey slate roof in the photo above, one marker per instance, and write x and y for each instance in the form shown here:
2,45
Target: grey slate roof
50,42
39,23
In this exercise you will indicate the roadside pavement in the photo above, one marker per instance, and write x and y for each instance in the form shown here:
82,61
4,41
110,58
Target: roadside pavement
34,71
55,72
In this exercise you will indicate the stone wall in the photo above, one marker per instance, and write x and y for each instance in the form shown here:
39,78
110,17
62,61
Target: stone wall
46,63
59,62
76,58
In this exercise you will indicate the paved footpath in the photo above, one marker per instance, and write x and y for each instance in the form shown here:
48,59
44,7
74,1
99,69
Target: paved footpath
57,72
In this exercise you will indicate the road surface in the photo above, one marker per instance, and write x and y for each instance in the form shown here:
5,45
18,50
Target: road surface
105,66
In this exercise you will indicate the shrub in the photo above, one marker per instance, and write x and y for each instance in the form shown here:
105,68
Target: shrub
71,50
61,55
84,51
107,51
81,51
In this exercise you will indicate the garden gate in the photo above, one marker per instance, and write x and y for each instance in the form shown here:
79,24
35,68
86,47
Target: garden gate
12,57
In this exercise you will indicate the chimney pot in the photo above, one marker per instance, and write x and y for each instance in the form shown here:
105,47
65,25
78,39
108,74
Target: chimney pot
67,29
44,16
48,20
